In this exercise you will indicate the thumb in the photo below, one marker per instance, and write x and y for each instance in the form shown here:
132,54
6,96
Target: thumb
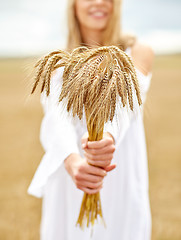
110,167
84,140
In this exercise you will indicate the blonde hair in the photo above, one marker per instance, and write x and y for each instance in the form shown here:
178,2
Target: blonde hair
112,35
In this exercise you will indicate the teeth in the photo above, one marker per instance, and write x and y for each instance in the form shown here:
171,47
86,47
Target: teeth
98,14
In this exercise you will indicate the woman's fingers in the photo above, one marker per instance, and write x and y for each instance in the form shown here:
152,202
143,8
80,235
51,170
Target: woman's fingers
99,151
110,167
99,160
90,185
90,178
88,190
86,177
95,171
99,157
99,144
102,164
84,140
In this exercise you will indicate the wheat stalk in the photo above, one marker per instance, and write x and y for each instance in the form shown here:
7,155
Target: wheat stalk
93,79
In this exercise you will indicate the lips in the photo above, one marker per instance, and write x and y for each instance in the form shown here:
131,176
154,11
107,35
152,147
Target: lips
98,14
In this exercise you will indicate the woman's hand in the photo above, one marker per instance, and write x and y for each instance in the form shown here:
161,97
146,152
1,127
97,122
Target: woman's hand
86,177
99,153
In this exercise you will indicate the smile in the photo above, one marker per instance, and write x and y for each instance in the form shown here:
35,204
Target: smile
98,14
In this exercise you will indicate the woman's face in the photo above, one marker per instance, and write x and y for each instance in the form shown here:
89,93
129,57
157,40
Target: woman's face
93,14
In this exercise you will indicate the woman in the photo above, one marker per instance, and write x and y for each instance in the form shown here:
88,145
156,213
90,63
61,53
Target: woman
65,173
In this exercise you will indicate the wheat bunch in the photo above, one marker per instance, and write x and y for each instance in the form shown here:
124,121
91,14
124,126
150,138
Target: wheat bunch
93,79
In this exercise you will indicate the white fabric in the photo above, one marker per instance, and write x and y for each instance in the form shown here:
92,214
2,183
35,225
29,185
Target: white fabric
125,197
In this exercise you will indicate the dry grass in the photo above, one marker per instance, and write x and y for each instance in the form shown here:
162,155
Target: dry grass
162,123
20,154
21,151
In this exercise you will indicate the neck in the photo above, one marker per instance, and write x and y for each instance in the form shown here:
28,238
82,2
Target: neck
92,38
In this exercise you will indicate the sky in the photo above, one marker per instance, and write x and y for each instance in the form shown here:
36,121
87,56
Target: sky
33,27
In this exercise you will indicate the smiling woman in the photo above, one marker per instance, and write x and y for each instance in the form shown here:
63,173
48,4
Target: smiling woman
93,19
93,16
72,164
96,22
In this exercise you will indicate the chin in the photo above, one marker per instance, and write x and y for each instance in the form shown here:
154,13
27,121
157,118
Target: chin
98,26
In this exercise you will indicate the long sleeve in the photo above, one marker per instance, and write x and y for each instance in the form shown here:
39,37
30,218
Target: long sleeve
57,136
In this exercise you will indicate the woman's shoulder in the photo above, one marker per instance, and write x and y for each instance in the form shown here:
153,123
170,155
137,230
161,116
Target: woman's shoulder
143,57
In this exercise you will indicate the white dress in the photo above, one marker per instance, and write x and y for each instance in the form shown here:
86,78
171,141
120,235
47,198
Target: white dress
125,193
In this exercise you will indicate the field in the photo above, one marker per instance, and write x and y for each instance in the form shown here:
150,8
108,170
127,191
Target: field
21,152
